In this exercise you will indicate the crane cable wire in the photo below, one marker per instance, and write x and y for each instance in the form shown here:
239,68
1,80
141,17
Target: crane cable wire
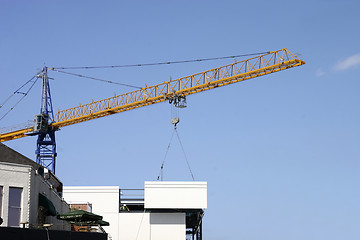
56,69
123,66
142,218
161,63
160,176
17,91
93,78
182,147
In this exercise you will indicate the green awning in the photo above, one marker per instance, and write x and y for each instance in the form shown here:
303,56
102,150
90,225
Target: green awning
79,216
92,223
47,204
102,223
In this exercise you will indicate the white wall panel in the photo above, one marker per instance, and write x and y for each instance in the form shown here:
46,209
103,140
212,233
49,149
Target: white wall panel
165,226
134,226
178,195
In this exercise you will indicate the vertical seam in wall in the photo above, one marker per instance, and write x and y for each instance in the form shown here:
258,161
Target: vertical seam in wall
29,197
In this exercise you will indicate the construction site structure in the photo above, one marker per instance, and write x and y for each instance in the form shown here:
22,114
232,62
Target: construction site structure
174,91
161,210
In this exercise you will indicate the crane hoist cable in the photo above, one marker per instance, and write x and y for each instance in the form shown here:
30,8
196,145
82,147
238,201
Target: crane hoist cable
187,162
161,173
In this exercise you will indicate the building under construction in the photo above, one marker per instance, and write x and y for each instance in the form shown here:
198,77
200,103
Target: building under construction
32,197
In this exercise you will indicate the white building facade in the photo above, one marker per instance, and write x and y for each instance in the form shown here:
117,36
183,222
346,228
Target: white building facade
28,199
30,195
161,211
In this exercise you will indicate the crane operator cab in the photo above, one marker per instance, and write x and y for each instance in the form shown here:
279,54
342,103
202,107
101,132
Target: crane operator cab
41,122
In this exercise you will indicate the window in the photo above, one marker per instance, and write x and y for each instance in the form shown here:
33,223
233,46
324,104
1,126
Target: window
1,197
14,206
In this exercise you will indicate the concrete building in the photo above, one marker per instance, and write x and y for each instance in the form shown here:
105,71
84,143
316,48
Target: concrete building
161,211
30,195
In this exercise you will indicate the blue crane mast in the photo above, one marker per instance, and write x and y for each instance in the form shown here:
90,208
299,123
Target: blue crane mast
46,144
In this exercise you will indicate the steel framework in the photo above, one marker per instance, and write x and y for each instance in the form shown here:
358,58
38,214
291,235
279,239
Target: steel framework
46,144
238,71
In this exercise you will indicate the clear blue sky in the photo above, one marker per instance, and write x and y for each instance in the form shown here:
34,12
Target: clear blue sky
280,153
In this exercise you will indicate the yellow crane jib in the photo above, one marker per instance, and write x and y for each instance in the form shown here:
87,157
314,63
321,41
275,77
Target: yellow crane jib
238,71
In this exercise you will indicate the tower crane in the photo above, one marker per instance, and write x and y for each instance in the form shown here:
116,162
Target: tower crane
174,91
